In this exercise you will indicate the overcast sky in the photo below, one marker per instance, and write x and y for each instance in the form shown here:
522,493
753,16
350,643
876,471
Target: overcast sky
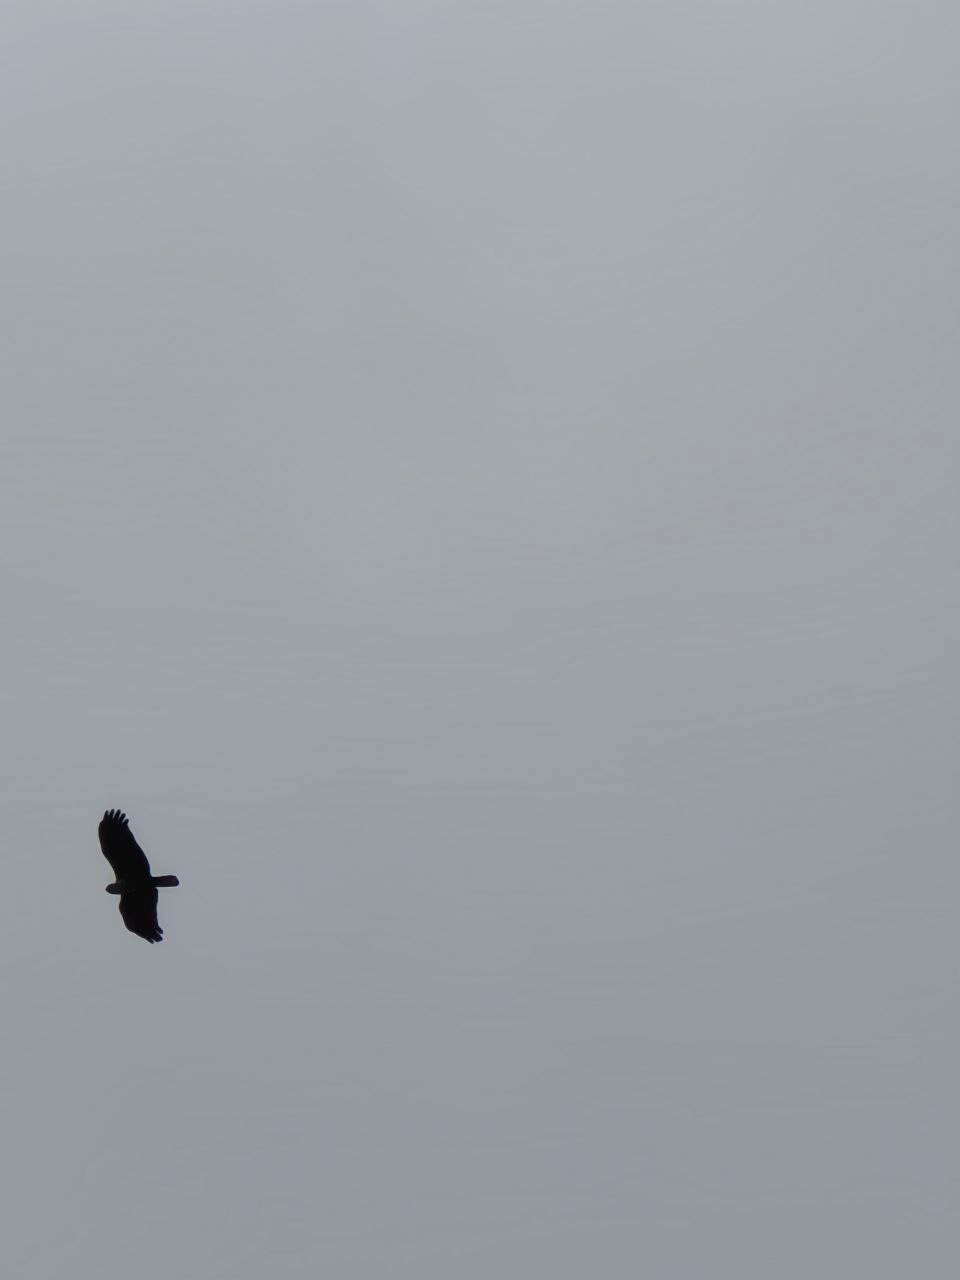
479,486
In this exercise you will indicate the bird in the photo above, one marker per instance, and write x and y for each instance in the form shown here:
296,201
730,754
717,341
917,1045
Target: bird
134,884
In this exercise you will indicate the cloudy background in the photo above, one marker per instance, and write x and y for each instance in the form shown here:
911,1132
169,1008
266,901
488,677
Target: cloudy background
478,484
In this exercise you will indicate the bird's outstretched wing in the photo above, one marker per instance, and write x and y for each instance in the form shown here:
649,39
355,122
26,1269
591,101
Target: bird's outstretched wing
139,912
128,860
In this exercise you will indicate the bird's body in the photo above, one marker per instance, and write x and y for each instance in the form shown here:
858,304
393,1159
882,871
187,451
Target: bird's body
136,887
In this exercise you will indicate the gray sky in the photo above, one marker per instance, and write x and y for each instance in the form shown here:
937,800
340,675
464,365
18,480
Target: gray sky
478,484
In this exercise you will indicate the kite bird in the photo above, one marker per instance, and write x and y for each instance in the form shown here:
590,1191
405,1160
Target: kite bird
135,885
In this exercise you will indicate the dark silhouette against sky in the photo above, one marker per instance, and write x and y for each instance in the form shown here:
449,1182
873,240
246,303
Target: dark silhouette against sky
135,885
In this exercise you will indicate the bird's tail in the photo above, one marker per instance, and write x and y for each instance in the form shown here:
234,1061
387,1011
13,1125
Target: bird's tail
165,882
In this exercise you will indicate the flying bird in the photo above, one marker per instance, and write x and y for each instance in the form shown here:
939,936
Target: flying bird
135,885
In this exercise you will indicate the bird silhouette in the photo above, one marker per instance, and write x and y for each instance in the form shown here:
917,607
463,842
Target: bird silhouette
135,885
